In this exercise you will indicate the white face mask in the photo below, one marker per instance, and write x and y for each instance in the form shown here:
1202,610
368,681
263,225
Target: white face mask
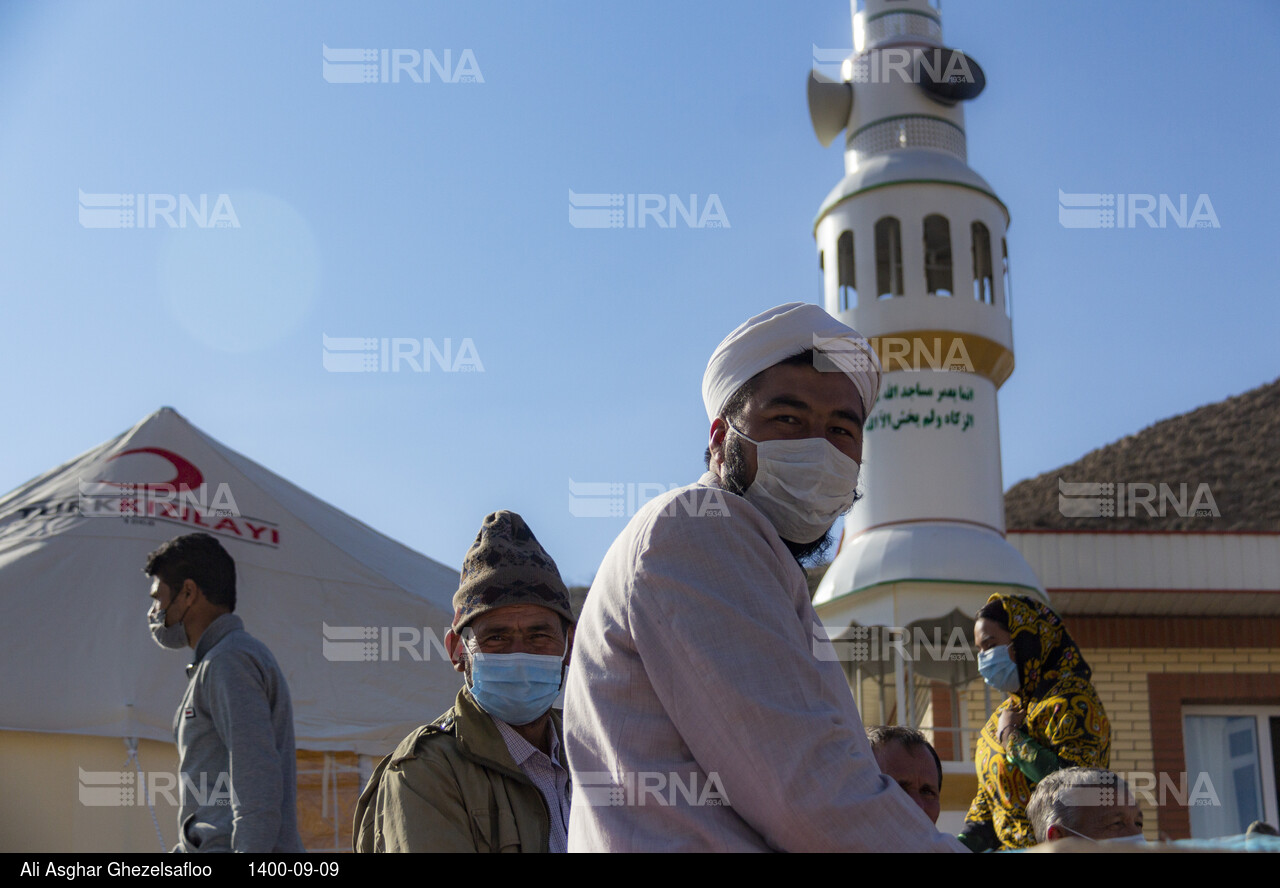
802,485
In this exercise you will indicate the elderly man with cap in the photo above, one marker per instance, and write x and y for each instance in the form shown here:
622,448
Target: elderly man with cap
488,774
697,714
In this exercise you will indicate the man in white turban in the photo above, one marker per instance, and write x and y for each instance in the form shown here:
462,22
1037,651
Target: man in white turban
697,716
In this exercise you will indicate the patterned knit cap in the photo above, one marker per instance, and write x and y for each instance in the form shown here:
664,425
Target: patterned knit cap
505,566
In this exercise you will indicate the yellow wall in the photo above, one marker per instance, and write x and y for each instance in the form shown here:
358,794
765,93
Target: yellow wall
317,799
40,784
43,811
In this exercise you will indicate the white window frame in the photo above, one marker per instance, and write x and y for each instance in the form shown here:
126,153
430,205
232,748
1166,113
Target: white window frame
1266,765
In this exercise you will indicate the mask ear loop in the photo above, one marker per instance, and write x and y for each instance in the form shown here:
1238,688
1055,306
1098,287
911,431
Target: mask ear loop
470,655
1070,830
731,428
564,667
185,612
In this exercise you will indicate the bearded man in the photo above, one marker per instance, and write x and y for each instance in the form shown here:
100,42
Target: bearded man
697,715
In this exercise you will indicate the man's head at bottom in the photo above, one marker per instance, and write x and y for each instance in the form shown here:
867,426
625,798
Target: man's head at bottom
908,759
787,394
513,625
1087,803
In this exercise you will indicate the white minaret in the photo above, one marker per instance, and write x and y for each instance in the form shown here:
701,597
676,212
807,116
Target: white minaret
912,247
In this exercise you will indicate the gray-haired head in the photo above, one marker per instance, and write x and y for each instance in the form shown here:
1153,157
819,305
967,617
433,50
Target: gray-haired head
1061,798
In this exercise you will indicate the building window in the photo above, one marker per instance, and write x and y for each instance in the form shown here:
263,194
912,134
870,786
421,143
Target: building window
1231,767
844,256
1008,282
983,281
888,258
937,255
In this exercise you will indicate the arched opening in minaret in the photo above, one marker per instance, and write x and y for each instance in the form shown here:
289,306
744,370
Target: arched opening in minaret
937,255
822,276
888,257
844,262
983,277
1008,282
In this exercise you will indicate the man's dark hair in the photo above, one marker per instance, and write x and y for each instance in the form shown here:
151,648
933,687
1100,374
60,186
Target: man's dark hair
198,557
880,736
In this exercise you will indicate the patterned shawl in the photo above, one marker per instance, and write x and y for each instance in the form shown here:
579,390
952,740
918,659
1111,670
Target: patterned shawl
1063,713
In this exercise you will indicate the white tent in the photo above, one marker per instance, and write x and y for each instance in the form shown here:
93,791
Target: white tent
355,619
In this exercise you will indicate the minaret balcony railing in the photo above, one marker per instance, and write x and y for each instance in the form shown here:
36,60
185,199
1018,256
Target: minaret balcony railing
909,131
907,23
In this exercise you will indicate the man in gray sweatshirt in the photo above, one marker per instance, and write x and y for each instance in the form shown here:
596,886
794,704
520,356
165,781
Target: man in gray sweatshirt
234,726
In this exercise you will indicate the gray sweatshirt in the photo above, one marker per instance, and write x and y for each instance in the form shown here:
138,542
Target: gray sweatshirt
234,730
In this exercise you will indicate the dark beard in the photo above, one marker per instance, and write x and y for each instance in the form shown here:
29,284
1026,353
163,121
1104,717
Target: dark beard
809,554
734,481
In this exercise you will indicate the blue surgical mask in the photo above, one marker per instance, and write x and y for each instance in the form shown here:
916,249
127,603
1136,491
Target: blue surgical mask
1138,839
516,688
998,669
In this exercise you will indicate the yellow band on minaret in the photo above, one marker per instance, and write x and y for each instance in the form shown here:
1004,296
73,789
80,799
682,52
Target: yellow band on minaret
943,350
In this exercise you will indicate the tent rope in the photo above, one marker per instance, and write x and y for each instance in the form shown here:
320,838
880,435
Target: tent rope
131,744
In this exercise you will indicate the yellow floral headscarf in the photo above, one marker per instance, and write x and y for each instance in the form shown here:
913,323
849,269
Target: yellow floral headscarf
1043,649
1063,714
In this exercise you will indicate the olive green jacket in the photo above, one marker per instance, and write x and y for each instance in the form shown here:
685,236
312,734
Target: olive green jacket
452,786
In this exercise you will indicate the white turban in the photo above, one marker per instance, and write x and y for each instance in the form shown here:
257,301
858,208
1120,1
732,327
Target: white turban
782,333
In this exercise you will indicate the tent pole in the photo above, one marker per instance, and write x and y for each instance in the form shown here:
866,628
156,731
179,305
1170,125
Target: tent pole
131,744
337,839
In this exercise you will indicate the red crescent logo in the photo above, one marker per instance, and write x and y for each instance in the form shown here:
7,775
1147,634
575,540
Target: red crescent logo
188,477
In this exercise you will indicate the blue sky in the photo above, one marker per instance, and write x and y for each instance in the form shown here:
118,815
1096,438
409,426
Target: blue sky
439,210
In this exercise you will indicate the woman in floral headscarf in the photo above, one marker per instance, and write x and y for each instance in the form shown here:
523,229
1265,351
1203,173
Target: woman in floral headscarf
1052,718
